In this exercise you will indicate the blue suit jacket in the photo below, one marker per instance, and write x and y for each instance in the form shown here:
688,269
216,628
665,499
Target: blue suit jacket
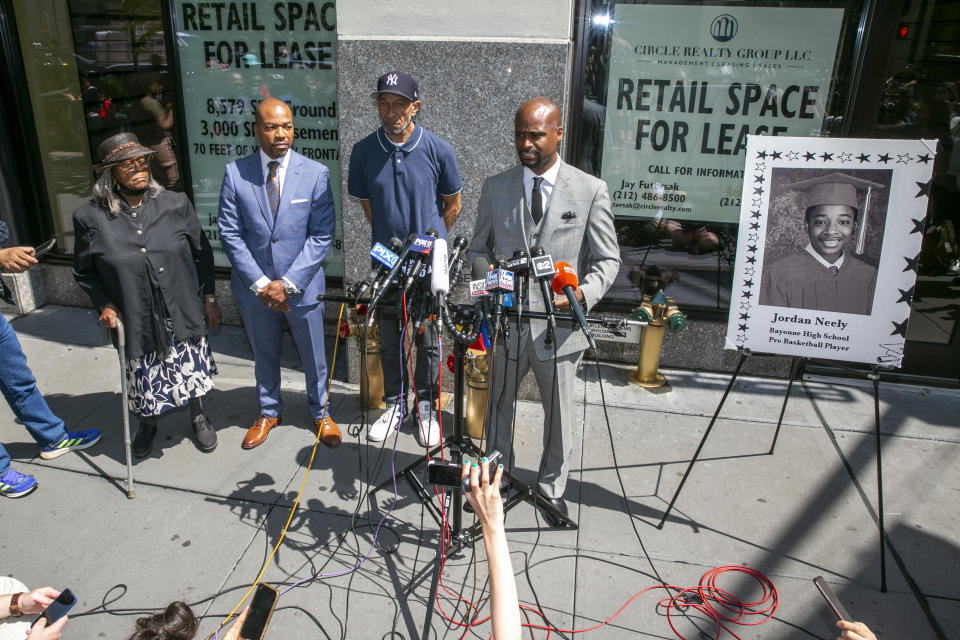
293,245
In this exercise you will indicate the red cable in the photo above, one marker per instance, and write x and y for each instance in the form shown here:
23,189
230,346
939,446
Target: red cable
705,598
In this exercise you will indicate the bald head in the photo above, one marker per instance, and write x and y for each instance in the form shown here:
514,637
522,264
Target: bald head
271,105
540,107
274,127
538,129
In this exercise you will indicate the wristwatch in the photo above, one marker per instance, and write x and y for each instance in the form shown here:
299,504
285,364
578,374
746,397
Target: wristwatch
15,609
209,298
288,287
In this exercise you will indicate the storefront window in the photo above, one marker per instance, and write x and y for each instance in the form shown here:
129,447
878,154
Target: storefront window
235,55
670,92
95,69
921,99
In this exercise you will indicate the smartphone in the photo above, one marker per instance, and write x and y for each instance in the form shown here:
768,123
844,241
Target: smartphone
44,247
832,600
58,608
261,610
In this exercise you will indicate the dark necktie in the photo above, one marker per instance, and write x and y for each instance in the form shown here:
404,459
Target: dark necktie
536,201
835,271
273,187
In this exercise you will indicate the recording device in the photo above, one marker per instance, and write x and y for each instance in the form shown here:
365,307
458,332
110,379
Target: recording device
58,608
478,288
386,258
449,474
565,282
541,264
832,600
382,283
44,247
422,246
261,610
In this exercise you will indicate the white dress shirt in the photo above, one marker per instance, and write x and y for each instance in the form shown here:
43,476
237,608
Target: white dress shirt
281,174
819,258
546,187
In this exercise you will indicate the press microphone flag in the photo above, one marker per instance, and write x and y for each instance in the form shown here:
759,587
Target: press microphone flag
422,247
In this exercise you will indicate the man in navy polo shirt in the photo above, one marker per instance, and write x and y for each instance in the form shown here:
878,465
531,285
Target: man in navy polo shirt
407,181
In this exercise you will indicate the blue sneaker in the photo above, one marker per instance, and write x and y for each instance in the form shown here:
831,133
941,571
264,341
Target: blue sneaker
74,441
16,485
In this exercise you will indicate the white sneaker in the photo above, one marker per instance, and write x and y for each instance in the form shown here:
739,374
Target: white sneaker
427,429
387,423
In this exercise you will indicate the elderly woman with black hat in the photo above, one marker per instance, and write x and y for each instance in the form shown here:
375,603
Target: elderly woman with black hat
140,254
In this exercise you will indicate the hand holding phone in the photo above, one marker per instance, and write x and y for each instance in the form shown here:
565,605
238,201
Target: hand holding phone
58,608
259,612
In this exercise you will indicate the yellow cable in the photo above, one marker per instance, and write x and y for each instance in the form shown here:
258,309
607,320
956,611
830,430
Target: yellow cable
293,510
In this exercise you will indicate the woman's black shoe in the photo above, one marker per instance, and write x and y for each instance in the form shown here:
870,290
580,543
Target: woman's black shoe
206,436
143,442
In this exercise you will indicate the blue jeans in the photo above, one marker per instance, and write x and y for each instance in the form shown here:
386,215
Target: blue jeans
20,389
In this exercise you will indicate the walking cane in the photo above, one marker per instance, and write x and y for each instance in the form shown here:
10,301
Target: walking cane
121,350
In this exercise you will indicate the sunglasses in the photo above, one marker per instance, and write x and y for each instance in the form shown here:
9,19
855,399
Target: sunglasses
134,164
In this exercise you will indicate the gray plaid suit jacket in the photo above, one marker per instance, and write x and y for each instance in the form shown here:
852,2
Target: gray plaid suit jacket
577,229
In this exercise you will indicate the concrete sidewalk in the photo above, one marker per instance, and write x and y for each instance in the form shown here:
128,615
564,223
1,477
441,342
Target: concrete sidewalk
202,525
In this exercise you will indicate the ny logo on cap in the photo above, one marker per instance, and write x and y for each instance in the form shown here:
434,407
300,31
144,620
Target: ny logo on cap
392,79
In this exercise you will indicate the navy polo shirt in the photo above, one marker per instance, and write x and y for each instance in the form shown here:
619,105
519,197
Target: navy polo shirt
404,184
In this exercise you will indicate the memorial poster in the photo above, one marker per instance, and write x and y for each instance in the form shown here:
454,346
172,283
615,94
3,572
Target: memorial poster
829,246
233,55
687,84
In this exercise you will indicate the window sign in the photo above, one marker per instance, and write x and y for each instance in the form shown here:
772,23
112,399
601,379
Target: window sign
234,55
688,84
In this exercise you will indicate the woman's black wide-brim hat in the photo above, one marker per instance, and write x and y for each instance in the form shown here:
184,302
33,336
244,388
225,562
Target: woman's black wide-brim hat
120,147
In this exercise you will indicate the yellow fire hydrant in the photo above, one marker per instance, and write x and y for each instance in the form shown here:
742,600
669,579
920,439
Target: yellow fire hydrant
659,312
371,371
478,387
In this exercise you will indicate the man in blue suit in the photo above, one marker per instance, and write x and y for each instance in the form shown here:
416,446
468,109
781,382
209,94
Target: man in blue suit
276,223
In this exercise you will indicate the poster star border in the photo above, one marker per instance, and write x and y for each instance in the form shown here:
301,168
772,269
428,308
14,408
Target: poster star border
875,339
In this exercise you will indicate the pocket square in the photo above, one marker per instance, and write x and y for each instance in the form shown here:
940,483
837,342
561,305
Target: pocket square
568,215
298,201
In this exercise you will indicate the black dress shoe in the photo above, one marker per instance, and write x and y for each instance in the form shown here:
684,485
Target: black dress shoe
143,441
552,520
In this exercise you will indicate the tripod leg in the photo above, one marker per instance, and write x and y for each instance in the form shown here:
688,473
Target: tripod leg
794,370
434,583
706,434
883,534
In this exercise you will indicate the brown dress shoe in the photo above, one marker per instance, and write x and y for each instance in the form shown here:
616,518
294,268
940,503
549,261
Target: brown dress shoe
258,432
329,431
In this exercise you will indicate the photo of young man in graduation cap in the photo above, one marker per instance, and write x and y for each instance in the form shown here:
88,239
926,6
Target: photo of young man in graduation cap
827,274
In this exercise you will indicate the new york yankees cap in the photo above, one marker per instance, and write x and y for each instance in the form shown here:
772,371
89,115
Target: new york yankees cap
398,83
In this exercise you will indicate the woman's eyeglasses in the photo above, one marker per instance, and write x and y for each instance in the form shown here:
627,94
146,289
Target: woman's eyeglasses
134,164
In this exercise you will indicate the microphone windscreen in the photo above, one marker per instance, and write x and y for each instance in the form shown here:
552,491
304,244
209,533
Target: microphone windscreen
395,244
565,276
440,277
479,268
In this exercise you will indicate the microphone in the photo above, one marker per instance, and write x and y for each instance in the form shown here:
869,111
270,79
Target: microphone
381,285
565,282
386,257
439,276
422,247
457,258
478,290
498,282
542,267
519,263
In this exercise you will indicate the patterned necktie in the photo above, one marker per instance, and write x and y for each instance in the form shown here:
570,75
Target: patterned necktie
835,271
273,187
536,201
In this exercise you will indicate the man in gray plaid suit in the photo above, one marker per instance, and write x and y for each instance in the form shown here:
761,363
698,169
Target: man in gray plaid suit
544,201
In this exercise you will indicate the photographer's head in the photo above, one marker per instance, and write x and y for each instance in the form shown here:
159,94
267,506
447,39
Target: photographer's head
176,622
